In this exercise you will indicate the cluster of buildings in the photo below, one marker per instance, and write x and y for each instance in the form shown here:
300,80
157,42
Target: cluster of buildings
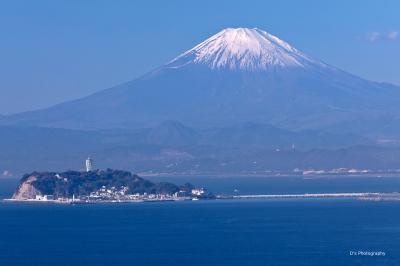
336,171
113,194
44,197
121,195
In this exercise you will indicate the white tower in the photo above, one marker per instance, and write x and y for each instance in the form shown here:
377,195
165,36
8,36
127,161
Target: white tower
89,164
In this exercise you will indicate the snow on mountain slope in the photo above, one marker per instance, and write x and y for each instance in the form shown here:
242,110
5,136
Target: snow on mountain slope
244,49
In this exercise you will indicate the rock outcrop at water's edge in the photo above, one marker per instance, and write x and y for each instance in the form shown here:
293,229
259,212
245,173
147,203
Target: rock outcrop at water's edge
26,190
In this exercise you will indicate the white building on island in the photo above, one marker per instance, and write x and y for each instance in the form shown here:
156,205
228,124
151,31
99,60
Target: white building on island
199,192
89,164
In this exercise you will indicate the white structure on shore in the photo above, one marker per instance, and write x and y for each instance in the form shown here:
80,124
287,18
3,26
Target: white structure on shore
89,164
198,191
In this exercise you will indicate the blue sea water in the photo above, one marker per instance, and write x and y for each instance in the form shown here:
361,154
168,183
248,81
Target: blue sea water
247,232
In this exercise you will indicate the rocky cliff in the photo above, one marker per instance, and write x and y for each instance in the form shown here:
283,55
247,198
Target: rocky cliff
26,190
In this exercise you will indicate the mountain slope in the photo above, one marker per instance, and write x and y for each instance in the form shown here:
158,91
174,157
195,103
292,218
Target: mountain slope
238,75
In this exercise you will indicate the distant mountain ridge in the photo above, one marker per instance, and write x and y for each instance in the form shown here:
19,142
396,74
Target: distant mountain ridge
157,148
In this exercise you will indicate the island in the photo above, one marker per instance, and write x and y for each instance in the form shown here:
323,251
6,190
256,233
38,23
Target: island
100,186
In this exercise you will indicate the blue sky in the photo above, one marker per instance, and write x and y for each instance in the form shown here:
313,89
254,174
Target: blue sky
52,51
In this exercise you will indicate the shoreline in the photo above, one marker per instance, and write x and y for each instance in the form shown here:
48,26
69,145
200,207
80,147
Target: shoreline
35,201
265,175
372,196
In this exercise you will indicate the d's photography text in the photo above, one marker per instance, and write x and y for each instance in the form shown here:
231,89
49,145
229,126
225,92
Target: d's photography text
367,253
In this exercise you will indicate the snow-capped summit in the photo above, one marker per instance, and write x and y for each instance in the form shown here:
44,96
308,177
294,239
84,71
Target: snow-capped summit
244,49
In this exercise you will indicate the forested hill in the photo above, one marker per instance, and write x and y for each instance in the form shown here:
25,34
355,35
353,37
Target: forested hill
76,183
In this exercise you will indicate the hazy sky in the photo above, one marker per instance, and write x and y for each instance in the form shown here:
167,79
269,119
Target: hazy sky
52,51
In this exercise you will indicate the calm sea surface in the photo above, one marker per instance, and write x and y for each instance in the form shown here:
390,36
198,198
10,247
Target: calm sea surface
248,232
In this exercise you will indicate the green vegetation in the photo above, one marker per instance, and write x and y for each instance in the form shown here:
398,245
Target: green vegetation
77,183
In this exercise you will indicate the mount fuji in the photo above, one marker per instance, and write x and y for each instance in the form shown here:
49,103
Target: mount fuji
238,75
244,50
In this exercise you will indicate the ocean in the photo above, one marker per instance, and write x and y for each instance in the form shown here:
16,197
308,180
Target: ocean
224,232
